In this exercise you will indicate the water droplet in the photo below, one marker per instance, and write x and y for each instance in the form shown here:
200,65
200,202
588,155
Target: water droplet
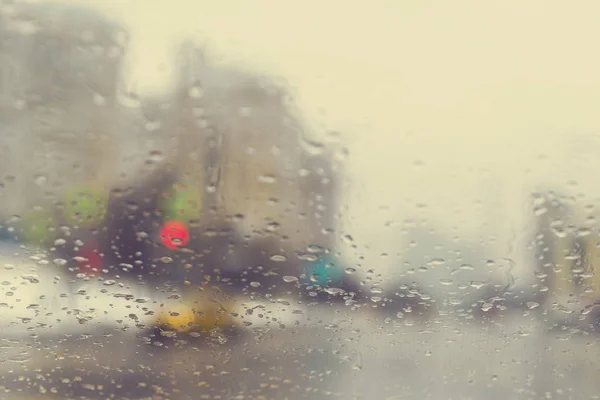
255,284
273,226
31,278
59,261
156,156
245,111
128,99
446,282
40,179
303,172
21,358
532,304
341,154
558,228
315,249
196,92
308,257
238,217
152,126
278,258
334,291
437,261
477,284
581,232
99,100
289,279
350,270
266,179
540,210
313,148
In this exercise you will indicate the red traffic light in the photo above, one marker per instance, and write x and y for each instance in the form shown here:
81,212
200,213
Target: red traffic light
90,261
174,234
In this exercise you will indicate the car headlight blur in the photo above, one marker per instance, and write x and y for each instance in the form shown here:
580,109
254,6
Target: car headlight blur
196,312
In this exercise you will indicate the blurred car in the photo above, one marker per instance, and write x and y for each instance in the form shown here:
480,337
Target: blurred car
441,275
323,279
42,299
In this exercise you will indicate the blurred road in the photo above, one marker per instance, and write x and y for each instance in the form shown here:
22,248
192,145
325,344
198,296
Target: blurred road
340,355
67,337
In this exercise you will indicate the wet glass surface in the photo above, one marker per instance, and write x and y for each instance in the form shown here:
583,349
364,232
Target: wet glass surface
251,201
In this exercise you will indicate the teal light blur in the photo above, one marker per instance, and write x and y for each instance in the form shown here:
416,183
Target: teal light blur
325,271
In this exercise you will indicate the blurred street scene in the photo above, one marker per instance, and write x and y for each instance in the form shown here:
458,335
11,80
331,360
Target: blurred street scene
193,243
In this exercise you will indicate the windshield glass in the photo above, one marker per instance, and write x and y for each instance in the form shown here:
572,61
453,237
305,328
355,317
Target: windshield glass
270,200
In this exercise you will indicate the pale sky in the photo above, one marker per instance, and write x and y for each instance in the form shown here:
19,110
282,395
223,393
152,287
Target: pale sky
451,110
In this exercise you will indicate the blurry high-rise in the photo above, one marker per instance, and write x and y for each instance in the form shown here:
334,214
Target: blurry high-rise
235,138
567,253
227,162
555,248
60,71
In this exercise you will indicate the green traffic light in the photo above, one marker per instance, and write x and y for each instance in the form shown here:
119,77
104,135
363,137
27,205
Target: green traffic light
36,226
183,202
85,205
